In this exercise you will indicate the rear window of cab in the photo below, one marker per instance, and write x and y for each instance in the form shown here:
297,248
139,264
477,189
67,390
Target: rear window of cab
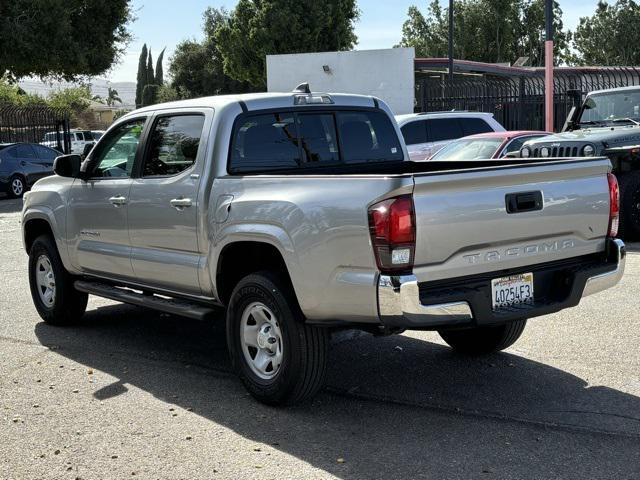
288,140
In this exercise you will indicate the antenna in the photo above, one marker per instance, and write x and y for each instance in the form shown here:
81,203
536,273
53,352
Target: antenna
302,88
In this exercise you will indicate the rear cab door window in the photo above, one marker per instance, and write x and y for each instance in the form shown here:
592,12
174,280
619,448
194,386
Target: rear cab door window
295,140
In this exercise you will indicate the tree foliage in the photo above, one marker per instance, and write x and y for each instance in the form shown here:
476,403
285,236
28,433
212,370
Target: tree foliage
196,68
485,30
61,38
146,77
610,36
141,78
256,28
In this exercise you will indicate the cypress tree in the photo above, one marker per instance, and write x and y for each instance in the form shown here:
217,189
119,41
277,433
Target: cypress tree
141,79
150,79
159,70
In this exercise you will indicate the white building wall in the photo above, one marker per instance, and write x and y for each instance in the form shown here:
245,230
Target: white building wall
387,74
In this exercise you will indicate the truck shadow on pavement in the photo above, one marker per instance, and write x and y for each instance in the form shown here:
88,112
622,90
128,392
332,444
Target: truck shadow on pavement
394,407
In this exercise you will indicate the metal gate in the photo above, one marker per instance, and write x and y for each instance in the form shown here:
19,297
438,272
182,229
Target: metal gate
517,102
35,124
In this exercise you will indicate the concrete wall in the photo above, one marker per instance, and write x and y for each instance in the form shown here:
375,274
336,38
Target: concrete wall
387,74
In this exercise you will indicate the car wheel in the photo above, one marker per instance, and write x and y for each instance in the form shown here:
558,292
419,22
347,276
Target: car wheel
52,291
280,359
630,206
17,186
484,340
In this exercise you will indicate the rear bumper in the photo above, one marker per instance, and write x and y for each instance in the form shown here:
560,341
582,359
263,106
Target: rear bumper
404,303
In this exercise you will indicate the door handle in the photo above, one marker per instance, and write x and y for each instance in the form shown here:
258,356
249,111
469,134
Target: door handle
118,200
524,202
180,203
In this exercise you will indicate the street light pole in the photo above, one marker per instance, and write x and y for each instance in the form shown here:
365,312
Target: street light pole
450,41
548,66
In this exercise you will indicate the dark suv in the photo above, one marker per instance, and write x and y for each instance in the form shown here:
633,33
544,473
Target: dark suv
22,164
606,124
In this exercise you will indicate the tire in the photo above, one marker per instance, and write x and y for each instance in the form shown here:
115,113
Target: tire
484,340
629,206
17,186
52,291
264,307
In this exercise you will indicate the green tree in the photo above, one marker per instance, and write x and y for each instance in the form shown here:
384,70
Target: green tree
150,75
159,70
112,97
141,79
610,36
485,30
196,68
256,28
61,38
149,95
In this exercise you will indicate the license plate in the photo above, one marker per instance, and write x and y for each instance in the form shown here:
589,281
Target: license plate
512,290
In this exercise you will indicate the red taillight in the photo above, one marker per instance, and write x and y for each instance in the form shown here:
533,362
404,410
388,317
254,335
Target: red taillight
393,233
614,205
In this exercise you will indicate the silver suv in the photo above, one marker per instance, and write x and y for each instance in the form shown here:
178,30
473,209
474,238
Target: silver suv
426,133
299,214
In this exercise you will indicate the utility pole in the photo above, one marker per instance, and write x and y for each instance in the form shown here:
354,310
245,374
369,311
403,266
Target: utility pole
548,66
450,41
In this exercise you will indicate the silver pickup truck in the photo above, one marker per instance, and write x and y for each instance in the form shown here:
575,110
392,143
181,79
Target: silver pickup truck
300,214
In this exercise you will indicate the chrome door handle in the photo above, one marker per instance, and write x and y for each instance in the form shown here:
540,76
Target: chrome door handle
180,203
118,200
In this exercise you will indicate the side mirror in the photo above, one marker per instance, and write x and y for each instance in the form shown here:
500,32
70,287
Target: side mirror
67,165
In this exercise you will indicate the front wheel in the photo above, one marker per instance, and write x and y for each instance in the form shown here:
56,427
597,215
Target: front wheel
17,186
280,359
484,340
52,291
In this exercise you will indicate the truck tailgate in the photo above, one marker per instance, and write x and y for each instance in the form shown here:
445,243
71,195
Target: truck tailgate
463,226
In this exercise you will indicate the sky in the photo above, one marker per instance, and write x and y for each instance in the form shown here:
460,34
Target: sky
164,23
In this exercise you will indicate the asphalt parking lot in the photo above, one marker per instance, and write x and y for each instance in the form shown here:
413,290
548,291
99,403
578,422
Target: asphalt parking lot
131,393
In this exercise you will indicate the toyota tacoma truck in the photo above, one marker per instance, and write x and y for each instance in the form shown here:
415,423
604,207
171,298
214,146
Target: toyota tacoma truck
606,124
300,214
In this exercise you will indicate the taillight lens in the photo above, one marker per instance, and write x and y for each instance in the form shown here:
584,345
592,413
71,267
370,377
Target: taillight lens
393,234
614,205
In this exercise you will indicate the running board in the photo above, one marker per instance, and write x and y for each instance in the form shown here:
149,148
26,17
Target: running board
174,306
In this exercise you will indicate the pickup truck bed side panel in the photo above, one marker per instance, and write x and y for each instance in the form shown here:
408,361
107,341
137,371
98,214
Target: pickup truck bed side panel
463,227
322,234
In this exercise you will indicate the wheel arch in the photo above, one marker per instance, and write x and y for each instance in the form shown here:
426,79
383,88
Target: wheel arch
42,221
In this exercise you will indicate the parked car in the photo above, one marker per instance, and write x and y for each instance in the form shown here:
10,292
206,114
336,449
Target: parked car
426,133
22,164
486,145
299,214
606,124
97,134
79,139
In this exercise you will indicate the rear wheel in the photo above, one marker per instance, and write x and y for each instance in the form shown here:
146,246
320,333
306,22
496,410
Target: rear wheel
630,205
17,186
52,291
280,359
484,340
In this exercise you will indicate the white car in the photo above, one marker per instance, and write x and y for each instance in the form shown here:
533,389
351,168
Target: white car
426,133
78,138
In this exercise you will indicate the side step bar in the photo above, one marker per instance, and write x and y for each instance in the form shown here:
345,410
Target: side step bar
174,306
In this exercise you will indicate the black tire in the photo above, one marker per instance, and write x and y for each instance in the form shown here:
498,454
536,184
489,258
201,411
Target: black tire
304,347
484,340
13,188
68,304
629,206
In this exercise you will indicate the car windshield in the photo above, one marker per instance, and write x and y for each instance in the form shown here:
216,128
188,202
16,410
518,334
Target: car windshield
469,149
621,106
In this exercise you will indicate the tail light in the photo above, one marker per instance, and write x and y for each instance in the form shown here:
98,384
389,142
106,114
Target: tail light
393,234
614,205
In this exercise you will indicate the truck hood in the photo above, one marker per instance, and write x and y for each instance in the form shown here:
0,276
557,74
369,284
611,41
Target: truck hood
610,136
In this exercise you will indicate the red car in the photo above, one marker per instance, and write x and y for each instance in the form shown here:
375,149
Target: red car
486,145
